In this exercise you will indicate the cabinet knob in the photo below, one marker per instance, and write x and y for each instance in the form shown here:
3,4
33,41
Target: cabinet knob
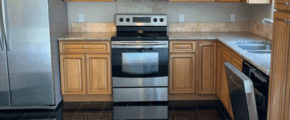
182,47
287,4
83,58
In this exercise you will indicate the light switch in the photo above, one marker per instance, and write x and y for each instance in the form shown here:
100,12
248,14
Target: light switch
81,18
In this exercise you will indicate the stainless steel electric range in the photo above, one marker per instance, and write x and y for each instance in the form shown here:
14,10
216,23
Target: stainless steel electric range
140,58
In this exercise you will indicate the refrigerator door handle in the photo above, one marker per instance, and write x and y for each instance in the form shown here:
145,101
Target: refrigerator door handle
1,42
1,30
4,25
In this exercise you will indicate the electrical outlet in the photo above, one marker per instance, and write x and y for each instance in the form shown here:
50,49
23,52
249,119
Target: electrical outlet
81,18
233,18
181,17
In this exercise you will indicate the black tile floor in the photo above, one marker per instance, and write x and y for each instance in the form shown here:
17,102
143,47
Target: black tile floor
173,110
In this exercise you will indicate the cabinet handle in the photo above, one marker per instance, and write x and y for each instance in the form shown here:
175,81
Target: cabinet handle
286,4
83,58
85,47
205,45
182,47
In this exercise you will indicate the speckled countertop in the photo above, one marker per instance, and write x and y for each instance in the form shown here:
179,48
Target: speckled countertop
261,61
88,36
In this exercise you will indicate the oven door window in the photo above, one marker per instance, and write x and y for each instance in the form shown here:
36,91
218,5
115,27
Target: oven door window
140,63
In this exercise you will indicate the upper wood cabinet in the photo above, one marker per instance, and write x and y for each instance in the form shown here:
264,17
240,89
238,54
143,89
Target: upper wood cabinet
73,74
89,0
278,107
207,68
282,5
182,73
229,1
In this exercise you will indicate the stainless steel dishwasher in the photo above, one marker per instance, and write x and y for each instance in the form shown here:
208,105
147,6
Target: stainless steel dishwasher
241,94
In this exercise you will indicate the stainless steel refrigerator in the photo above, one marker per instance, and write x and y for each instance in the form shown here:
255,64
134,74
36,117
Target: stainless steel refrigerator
29,63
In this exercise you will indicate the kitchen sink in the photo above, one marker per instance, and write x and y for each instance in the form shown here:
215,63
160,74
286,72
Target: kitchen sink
260,51
256,47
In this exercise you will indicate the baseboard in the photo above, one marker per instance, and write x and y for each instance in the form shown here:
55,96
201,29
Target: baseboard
191,97
87,98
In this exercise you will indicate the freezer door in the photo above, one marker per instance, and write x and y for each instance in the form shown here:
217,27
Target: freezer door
4,83
29,52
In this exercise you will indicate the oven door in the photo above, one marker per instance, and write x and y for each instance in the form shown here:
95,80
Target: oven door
139,63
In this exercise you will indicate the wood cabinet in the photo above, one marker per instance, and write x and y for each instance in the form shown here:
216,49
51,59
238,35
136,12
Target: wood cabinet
282,5
98,74
278,107
192,68
85,70
229,1
182,73
182,67
89,0
207,68
226,55
73,74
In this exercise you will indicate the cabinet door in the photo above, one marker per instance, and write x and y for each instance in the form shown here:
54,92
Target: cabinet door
73,74
99,73
219,70
182,73
282,5
225,97
207,68
278,76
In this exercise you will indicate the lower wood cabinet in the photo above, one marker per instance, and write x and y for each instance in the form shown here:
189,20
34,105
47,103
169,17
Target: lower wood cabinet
192,71
182,73
73,74
98,74
207,68
85,71
226,55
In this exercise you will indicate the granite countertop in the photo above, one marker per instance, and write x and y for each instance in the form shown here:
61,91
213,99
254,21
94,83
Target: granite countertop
261,61
88,36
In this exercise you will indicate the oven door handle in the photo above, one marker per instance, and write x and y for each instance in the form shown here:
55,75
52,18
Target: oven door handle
140,44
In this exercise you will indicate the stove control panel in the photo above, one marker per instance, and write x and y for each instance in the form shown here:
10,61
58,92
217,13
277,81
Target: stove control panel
141,20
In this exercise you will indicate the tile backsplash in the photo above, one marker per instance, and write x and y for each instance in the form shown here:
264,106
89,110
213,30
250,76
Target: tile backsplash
93,27
263,30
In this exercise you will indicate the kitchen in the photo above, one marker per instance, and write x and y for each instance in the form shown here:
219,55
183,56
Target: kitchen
145,59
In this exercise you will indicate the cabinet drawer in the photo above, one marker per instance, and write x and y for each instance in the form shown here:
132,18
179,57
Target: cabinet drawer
84,47
182,46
